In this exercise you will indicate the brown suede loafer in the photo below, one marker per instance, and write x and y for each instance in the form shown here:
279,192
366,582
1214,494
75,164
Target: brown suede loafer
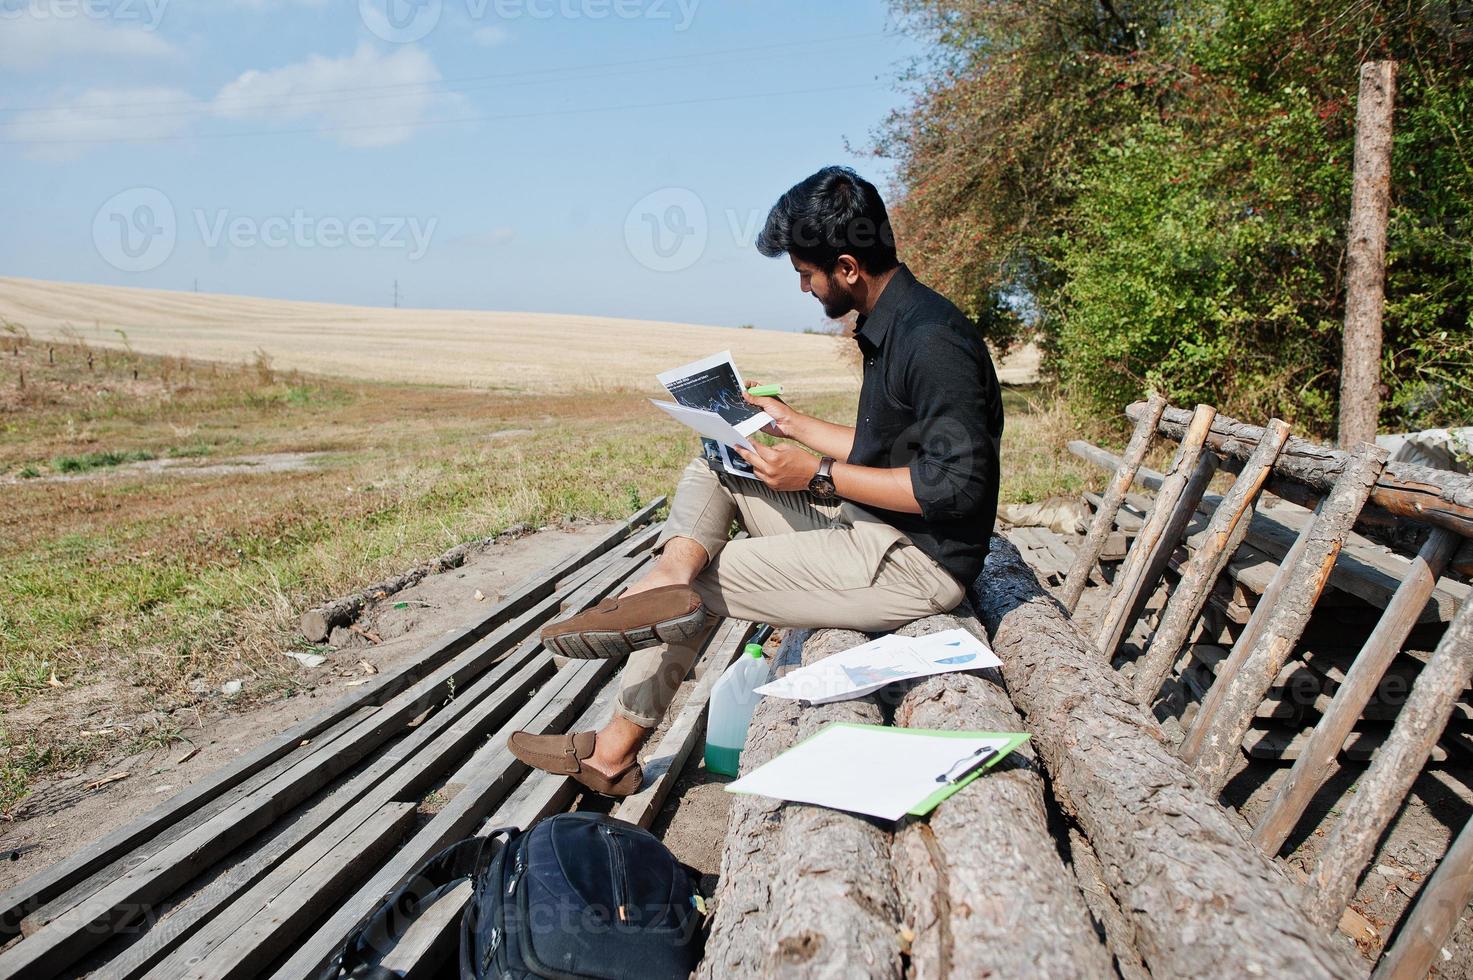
619,626
563,755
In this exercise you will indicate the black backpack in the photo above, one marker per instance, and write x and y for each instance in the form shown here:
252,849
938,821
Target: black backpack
580,895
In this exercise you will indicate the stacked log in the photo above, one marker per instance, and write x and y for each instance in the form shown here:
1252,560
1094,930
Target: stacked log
1203,901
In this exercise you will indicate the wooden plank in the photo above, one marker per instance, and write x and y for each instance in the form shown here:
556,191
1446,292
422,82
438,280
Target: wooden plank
1437,497
484,780
45,885
1088,554
1366,671
665,763
1278,745
143,852
323,884
74,933
1221,538
1366,569
988,847
1204,902
1352,840
1212,747
1436,914
430,946
254,919
1127,591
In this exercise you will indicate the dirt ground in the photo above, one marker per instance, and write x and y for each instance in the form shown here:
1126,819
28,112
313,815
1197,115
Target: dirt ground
78,807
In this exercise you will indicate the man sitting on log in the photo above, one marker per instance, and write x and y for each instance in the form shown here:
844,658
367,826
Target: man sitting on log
887,523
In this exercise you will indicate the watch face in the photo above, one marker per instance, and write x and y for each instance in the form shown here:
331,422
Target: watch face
822,486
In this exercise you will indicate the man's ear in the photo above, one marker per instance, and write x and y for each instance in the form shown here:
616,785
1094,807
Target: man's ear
847,269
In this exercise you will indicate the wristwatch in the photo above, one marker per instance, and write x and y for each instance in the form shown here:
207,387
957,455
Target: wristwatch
822,485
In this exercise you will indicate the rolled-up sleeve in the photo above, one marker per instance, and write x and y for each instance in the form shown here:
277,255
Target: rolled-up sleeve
953,454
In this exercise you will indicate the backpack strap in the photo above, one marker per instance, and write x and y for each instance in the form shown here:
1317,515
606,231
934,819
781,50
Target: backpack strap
380,929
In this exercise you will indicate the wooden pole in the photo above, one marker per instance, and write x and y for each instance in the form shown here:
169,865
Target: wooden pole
1225,532
1132,576
1312,767
1104,522
1218,737
1365,255
1379,793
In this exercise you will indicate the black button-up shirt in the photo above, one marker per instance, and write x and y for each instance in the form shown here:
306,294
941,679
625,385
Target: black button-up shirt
930,402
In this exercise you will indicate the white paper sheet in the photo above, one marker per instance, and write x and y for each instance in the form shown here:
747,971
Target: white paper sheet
708,424
713,385
883,772
860,670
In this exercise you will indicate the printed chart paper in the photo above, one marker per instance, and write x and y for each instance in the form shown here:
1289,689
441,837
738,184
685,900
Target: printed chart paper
860,670
713,386
878,770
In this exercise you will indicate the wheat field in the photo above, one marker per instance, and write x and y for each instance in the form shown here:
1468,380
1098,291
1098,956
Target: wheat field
507,352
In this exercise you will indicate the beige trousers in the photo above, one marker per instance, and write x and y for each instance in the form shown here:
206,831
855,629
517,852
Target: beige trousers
805,563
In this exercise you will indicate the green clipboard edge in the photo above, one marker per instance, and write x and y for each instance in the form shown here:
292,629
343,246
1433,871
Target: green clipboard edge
1012,741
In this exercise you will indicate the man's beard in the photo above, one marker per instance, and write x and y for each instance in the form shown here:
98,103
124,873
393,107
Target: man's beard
840,302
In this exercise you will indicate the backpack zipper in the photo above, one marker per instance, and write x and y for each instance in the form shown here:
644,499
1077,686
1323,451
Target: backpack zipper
616,867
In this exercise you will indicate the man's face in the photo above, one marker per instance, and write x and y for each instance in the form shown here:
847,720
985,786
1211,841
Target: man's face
828,288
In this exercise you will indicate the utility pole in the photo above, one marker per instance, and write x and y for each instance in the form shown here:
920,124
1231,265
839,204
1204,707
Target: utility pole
396,294
196,284
1365,266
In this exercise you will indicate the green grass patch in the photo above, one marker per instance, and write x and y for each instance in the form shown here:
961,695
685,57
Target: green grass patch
98,460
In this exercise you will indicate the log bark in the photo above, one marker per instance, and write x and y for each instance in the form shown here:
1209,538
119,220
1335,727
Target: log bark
1365,256
1380,792
1094,542
1217,739
982,887
805,891
1204,902
1225,532
835,911
1432,496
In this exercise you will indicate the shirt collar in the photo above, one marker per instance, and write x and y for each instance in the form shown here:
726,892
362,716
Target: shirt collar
871,329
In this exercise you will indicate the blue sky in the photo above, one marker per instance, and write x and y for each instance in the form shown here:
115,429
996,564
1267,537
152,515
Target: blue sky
609,157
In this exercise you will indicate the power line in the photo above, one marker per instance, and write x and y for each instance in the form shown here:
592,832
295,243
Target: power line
535,74
439,122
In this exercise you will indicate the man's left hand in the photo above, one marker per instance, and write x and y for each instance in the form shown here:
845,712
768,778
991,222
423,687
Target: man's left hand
781,467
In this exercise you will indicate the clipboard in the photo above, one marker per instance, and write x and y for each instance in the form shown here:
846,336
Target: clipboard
879,770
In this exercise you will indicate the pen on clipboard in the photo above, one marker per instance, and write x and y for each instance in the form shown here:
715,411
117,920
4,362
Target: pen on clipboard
968,764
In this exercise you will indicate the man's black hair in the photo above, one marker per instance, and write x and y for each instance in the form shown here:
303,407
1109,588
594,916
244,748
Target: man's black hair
835,212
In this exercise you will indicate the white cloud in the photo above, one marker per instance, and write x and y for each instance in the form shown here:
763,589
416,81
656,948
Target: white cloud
70,125
375,99
29,42
490,37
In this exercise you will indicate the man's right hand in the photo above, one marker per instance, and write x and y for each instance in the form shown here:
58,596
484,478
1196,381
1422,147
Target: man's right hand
785,418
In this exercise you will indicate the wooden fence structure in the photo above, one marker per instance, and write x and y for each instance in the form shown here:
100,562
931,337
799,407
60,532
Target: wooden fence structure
1288,556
